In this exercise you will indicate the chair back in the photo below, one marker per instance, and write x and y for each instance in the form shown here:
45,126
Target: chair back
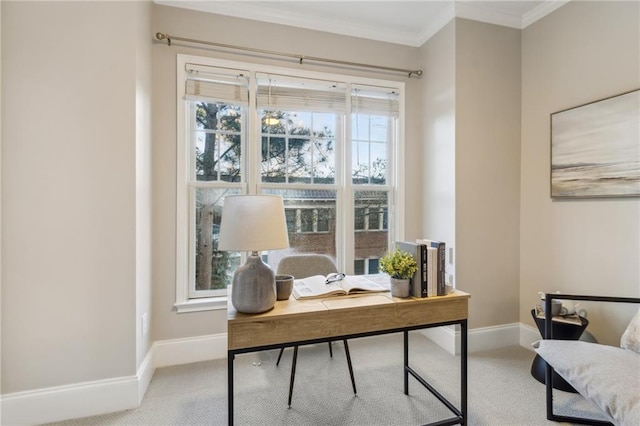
306,265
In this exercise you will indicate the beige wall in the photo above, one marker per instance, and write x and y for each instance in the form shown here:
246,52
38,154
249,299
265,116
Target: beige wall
487,170
471,113
141,28
72,147
438,59
583,52
184,23
76,182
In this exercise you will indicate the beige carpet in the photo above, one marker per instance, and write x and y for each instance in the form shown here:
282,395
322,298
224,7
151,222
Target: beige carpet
500,388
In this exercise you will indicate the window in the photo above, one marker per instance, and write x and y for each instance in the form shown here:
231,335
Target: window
371,218
366,266
326,143
308,220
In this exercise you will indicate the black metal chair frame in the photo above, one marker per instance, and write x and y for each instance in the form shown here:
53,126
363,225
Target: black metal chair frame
328,267
549,335
295,359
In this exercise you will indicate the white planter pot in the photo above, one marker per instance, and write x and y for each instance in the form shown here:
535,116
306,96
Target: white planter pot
399,288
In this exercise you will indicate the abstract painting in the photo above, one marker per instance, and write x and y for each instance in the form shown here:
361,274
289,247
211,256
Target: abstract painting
595,148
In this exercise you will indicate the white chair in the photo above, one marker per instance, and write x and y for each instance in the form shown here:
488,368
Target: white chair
302,266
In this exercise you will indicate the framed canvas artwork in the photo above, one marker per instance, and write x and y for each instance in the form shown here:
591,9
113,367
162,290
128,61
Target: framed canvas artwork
595,148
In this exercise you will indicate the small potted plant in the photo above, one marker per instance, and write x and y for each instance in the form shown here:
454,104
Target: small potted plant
400,266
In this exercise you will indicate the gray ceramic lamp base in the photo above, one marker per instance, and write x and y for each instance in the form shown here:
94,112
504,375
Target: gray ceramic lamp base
254,287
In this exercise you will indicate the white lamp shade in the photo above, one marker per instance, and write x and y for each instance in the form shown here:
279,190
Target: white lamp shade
253,223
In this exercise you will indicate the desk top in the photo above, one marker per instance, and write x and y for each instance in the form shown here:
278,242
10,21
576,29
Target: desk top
295,320
293,306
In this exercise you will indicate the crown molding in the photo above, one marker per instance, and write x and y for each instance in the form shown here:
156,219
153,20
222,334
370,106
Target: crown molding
266,13
541,11
435,24
469,10
476,11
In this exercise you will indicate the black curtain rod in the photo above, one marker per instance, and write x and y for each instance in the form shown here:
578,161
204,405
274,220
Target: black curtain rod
300,58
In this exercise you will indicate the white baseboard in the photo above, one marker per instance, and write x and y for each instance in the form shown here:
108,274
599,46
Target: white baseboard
478,339
499,336
145,374
189,349
447,337
528,335
110,395
123,393
70,401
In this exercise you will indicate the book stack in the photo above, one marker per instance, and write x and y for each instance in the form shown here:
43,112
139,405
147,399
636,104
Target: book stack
429,280
438,250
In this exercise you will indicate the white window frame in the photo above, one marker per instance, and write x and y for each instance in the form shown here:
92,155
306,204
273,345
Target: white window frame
251,169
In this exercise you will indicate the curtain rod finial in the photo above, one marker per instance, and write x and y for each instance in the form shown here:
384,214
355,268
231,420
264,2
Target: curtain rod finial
163,36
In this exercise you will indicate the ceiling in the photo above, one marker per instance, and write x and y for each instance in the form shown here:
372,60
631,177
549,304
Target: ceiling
409,23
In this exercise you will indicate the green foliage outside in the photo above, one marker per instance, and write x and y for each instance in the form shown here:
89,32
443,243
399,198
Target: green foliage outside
289,153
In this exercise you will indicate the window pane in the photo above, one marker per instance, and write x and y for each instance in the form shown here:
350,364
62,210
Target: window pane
360,158
323,158
273,166
369,148
217,129
324,124
374,218
229,161
360,125
358,267
379,128
319,208
373,266
323,220
213,269
378,174
305,150
299,160
306,220
359,219
290,216
368,207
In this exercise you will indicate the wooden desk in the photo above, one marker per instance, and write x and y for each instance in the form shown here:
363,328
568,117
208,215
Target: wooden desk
293,322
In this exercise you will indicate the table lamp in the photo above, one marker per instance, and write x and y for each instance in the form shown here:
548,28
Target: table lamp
253,223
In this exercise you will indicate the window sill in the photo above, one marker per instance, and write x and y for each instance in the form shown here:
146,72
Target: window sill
202,304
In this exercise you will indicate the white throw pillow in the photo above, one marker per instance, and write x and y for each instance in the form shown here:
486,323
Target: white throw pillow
606,375
631,337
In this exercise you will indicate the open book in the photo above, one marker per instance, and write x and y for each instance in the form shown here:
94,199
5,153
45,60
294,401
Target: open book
315,287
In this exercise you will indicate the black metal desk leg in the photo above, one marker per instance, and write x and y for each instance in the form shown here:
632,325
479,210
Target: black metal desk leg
406,362
293,373
230,357
463,371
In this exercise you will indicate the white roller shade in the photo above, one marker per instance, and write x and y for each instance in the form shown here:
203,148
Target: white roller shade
216,84
277,92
